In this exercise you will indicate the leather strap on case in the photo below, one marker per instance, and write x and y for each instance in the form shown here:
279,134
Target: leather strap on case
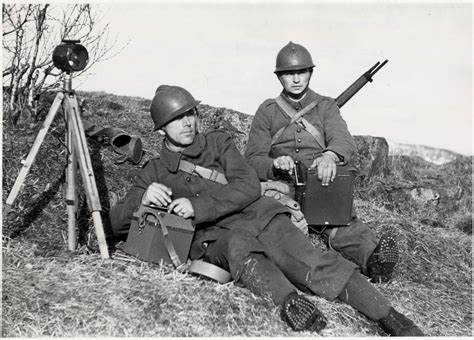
210,271
331,236
142,214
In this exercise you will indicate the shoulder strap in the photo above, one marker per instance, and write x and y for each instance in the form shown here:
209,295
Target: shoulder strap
197,170
298,118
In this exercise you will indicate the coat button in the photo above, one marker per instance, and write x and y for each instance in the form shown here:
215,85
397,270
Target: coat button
297,150
297,108
298,130
188,179
197,195
299,140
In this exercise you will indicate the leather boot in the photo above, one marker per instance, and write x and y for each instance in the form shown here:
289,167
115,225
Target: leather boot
397,324
301,314
383,260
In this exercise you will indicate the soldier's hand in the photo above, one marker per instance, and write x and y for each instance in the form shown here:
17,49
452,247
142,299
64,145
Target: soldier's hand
285,163
157,194
182,207
326,165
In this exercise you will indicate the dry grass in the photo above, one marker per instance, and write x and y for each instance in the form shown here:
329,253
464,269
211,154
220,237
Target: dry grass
48,291
81,295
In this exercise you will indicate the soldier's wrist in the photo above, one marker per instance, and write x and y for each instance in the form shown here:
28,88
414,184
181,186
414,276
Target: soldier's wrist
332,155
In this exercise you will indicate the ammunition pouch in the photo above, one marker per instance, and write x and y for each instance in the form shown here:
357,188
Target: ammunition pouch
280,191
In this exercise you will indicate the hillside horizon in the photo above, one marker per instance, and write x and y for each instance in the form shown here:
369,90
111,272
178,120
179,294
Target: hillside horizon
429,153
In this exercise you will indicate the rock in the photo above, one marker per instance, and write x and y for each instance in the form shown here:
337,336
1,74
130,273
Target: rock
372,158
424,196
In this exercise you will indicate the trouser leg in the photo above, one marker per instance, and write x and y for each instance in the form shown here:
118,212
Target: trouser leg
355,242
308,268
262,277
242,255
363,296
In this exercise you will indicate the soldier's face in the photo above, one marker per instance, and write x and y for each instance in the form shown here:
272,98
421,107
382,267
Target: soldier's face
181,131
295,82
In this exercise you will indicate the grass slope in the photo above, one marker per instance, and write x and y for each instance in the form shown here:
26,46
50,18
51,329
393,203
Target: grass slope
48,291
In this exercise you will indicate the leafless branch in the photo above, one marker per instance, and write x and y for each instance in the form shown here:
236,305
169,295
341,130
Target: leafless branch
30,34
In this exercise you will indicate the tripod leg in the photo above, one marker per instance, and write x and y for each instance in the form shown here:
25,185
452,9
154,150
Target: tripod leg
85,166
28,162
71,198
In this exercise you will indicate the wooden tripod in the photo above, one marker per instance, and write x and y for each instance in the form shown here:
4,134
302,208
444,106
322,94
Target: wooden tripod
78,154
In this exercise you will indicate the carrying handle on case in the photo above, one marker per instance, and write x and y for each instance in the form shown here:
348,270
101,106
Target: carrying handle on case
141,214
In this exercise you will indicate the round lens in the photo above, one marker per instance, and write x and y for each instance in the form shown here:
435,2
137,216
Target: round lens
70,57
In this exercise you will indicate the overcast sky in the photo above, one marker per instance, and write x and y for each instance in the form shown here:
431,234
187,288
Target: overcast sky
224,54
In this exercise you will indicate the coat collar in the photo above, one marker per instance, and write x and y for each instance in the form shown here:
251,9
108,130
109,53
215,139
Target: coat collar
171,159
310,97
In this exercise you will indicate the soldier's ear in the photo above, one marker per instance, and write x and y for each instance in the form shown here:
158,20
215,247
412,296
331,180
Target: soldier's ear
198,125
279,76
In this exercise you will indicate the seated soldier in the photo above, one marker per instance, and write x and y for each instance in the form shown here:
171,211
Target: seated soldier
250,236
320,141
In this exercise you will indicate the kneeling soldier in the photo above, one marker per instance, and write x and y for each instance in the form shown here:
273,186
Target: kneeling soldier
237,229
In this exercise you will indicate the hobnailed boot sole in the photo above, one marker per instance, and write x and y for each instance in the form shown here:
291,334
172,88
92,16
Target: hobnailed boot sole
302,315
381,263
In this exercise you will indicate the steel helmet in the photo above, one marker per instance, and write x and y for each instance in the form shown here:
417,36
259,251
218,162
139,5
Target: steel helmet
170,102
293,57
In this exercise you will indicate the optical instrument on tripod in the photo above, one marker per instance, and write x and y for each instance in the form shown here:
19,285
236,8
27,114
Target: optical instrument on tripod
69,57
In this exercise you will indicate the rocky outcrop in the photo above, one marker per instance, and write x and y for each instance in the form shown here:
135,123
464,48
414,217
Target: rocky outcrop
372,156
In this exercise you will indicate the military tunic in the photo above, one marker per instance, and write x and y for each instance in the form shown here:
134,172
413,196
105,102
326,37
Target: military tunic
357,241
233,222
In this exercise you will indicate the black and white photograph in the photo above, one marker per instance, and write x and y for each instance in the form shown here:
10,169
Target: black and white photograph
237,168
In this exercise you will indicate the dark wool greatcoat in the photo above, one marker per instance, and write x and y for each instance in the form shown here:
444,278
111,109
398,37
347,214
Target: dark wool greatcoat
217,207
233,221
